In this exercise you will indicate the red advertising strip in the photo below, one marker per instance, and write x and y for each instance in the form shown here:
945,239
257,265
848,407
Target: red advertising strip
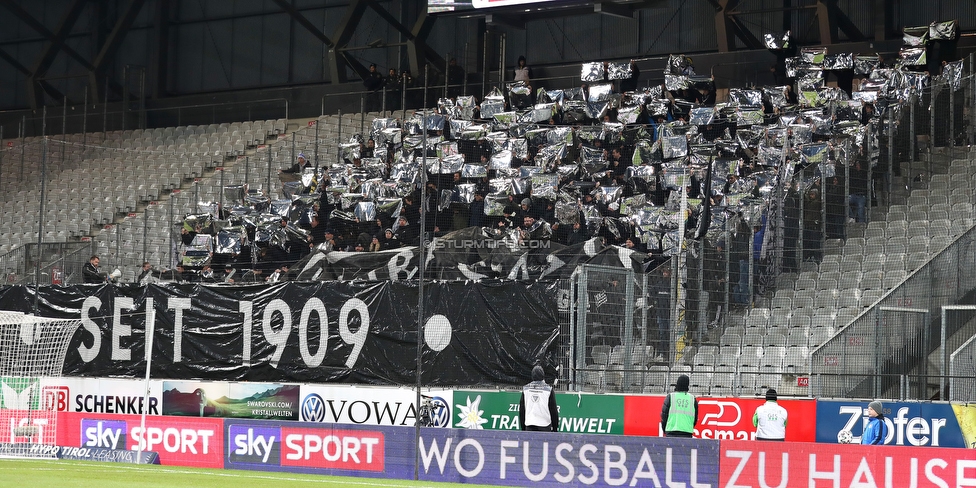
179,441
721,418
777,464
359,450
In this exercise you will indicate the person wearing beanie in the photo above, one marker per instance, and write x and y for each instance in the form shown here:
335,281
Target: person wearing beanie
875,431
537,405
770,419
679,414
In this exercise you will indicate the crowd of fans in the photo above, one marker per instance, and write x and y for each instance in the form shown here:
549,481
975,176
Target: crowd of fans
605,159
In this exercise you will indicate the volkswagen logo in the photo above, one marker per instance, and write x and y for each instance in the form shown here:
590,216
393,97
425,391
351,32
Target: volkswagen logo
441,416
313,408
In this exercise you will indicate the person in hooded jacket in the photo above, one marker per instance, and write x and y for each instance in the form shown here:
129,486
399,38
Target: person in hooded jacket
679,414
537,405
876,430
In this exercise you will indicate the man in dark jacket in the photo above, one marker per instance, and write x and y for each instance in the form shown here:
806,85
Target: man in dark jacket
537,405
90,271
679,414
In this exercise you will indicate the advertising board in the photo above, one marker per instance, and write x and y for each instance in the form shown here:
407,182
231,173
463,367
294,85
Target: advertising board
179,441
777,464
344,404
908,424
578,412
720,418
556,459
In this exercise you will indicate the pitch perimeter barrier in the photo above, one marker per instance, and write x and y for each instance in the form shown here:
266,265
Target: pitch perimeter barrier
514,458
914,424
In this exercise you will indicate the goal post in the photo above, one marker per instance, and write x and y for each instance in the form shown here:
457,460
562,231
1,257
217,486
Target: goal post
32,350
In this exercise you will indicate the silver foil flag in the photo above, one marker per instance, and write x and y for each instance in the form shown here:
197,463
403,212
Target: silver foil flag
775,41
592,72
618,71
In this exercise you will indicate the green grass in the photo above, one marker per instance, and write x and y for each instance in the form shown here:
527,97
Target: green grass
67,474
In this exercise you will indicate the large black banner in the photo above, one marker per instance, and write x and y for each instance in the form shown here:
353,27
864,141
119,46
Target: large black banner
485,333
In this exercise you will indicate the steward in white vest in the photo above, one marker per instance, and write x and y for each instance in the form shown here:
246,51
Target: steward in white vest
770,419
537,406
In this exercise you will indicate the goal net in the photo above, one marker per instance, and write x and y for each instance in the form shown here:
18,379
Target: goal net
32,351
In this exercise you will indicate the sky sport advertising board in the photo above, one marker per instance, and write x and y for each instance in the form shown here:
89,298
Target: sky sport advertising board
721,418
908,424
578,412
344,404
179,441
785,465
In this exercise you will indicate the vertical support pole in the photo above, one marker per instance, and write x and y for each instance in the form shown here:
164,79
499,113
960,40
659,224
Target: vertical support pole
145,235
170,262
150,331
501,59
315,150
952,121
339,137
84,122
972,101
383,106
105,112
268,187
23,148
943,358
911,141
125,93
484,65
220,206
645,300
890,174
574,338
40,214
362,116
583,304
64,132
142,99
933,90
464,61
447,69
628,326
420,280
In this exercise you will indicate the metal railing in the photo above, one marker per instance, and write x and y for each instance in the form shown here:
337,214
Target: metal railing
894,338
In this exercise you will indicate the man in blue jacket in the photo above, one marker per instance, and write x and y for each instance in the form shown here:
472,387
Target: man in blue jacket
875,431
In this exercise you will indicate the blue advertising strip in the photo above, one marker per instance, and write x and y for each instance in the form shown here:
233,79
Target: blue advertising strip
512,458
79,453
908,424
108,455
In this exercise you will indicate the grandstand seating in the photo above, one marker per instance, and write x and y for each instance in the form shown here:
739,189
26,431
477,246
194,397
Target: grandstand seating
108,186
110,189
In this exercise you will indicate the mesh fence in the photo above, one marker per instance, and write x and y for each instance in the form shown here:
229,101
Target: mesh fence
793,233
31,349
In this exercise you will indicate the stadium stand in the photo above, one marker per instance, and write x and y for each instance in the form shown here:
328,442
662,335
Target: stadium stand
130,191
